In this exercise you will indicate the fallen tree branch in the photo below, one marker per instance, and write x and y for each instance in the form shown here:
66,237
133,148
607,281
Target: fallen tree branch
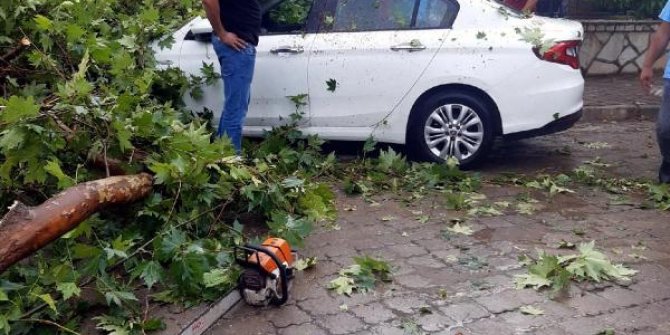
24,230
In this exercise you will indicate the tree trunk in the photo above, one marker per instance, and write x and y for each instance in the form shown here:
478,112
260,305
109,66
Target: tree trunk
24,230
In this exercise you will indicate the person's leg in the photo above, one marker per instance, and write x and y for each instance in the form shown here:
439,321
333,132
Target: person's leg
232,120
236,71
663,132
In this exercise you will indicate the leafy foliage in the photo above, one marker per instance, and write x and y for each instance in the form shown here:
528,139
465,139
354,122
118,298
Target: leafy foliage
361,276
557,271
88,88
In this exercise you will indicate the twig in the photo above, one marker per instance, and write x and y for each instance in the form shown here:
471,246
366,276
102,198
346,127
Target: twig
104,150
69,133
51,323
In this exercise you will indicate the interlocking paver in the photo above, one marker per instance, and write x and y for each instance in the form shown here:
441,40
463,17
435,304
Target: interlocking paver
508,300
405,304
465,312
590,304
340,323
286,316
306,329
321,306
374,313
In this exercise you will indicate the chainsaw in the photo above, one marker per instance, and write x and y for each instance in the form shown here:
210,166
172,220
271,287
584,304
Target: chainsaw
268,272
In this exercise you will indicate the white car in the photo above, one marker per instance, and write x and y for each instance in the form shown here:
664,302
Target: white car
443,77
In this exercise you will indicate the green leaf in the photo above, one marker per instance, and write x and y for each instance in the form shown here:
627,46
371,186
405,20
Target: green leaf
127,41
74,32
53,168
305,263
153,325
17,108
217,277
11,138
532,280
461,229
118,297
3,295
43,22
171,243
530,310
84,251
68,290
152,273
123,135
318,203
342,285
331,85
4,324
49,301
525,208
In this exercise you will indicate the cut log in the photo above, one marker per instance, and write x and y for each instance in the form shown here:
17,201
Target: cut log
24,230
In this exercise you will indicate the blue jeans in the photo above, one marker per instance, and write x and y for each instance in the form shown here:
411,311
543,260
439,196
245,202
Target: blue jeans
663,132
237,70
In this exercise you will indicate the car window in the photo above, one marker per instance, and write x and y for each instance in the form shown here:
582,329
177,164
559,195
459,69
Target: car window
363,15
432,14
287,16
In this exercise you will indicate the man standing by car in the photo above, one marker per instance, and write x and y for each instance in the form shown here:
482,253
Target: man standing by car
236,25
657,46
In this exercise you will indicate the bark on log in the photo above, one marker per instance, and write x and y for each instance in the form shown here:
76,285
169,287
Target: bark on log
24,230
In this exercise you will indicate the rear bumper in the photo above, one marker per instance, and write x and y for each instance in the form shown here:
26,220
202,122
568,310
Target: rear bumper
555,126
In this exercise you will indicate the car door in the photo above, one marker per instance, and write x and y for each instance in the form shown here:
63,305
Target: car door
370,55
281,65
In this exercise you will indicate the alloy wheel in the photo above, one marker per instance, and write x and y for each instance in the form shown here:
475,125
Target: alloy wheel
454,130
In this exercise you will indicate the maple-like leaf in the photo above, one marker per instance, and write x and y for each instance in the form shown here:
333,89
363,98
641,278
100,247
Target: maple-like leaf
457,228
342,285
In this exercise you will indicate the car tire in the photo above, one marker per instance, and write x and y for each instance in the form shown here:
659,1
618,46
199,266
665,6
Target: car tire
451,124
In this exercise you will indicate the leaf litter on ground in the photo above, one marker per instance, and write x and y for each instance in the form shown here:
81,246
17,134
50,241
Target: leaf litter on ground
557,271
362,276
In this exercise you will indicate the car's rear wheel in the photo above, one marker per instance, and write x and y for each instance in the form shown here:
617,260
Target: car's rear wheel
451,124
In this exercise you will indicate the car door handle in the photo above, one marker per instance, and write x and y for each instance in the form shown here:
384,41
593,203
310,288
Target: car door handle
287,50
412,46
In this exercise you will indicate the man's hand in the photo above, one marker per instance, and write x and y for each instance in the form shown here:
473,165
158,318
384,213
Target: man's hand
657,45
646,77
231,40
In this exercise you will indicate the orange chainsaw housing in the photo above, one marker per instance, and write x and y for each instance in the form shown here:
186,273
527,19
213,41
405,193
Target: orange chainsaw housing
279,247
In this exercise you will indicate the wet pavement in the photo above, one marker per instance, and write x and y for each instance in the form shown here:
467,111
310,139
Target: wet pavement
465,284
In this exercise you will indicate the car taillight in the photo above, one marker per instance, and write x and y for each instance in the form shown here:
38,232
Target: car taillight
563,53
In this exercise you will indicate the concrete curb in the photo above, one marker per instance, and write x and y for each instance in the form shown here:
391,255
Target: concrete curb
620,113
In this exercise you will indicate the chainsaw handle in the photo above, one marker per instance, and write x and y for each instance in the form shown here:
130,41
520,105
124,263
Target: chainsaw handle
282,271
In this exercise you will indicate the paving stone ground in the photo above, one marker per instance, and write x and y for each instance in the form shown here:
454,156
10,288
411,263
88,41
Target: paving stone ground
477,272
618,90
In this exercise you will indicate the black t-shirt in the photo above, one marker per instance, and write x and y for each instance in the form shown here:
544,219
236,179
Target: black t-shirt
242,17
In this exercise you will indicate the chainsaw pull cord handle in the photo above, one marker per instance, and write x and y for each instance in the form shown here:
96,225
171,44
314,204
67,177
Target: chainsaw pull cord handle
282,272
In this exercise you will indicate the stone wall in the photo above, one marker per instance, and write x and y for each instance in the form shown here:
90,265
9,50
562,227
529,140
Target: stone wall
614,47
